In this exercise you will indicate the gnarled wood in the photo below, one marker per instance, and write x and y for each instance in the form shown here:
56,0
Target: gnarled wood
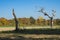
16,21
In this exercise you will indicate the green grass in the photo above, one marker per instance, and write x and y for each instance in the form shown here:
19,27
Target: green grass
34,31
22,33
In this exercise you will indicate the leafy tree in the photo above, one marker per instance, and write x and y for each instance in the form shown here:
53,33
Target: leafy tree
3,22
38,22
41,20
32,20
58,21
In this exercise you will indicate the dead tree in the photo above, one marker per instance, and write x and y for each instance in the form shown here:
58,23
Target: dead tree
16,21
51,17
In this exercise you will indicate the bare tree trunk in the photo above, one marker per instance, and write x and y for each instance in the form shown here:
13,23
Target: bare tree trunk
51,22
16,21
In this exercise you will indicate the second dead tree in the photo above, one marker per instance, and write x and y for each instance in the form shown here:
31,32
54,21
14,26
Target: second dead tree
51,18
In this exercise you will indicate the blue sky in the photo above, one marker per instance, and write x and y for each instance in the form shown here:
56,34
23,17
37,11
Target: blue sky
27,8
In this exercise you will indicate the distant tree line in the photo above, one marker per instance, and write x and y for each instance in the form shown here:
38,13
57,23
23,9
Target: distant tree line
28,22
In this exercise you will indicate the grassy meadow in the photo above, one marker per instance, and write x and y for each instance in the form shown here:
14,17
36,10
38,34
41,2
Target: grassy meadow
30,33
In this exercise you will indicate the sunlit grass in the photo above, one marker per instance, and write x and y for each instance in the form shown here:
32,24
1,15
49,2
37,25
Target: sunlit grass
30,34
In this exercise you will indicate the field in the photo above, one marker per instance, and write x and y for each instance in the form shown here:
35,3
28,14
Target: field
29,33
28,27
17,36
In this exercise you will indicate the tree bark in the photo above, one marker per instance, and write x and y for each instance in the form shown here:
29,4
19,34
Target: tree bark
16,21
